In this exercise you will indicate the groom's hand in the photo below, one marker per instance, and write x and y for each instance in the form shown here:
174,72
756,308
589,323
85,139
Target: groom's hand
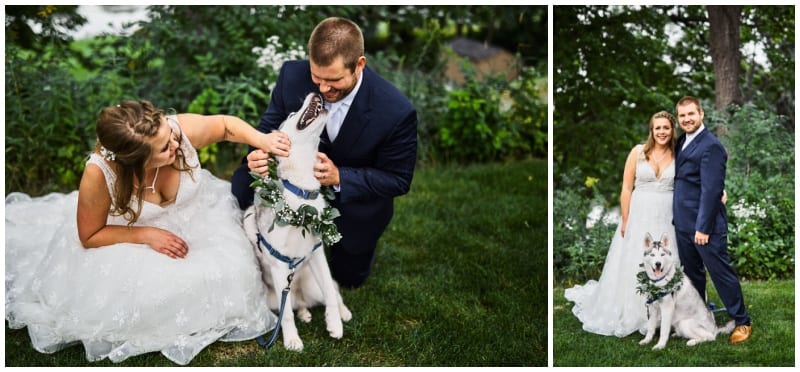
700,238
325,171
258,161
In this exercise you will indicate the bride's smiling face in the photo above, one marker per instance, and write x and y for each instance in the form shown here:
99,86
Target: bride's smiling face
164,144
662,131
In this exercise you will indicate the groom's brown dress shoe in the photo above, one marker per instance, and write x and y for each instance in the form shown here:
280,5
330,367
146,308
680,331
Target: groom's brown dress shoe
740,334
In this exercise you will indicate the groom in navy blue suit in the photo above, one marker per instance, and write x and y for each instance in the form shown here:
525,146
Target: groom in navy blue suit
367,152
699,215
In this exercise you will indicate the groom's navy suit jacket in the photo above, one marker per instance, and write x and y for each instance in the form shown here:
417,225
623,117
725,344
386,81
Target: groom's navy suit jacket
699,182
375,151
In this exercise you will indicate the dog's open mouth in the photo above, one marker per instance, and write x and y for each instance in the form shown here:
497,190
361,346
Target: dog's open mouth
311,112
657,271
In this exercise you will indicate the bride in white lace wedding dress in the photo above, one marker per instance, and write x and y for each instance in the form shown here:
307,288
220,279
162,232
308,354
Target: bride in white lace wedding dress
611,305
180,277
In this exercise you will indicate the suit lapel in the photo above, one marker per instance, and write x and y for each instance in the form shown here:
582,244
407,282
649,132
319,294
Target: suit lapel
356,119
679,149
692,146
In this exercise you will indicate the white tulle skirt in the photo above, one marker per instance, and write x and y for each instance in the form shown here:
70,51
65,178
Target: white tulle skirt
126,299
611,306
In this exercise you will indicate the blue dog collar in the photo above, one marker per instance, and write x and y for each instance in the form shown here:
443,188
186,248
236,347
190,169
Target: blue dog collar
305,194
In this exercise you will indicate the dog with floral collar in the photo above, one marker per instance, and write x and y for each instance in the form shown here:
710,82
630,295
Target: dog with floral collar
672,300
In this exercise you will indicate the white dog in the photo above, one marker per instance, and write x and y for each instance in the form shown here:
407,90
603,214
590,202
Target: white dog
282,245
672,300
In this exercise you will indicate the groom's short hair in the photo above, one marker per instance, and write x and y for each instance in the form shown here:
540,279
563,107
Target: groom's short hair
687,100
334,37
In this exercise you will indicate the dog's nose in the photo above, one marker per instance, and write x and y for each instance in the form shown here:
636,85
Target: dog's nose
658,265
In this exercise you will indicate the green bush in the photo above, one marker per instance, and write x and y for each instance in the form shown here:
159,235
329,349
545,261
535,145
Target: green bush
229,65
48,130
494,119
579,251
760,187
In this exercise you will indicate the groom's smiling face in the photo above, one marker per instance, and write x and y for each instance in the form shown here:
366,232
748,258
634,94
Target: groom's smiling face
690,117
336,81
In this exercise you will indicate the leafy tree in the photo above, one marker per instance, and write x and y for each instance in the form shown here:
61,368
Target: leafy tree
53,20
772,85
658,54
611,74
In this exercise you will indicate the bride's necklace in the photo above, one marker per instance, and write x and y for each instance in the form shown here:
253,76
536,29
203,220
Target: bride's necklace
664,154
153,186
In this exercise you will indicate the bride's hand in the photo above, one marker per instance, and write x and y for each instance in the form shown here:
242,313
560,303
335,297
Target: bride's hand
165,242
275,143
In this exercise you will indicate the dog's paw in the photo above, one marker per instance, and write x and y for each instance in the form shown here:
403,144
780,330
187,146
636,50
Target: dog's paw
304,315
692,342
644,341
293,344
345,313
336,332
334,324
659,346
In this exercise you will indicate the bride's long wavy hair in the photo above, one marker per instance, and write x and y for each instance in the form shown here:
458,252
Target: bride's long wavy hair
650,144
123,129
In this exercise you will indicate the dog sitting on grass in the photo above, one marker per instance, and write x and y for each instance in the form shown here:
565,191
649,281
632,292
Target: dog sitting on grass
672,301
290,223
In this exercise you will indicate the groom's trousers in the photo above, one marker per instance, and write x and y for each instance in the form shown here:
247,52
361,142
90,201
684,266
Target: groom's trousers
714,257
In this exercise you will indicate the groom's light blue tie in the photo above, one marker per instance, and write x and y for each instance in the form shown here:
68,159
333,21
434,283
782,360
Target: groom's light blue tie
335,120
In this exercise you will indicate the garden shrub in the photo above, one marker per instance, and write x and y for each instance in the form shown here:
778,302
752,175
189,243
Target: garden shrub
579,251
761,190
493,120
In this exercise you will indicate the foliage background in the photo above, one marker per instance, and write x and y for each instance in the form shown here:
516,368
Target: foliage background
614,66
224,59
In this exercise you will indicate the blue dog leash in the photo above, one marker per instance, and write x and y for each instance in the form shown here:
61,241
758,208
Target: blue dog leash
260,339
293,263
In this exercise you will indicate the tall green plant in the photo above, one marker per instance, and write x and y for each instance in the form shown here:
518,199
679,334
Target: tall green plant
579,250
48,129
493,119
760,185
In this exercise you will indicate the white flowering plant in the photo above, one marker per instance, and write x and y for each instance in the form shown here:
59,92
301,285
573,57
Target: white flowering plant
272,56
757,248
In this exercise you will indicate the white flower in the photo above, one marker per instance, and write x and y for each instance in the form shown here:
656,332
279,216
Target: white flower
745,211
273,55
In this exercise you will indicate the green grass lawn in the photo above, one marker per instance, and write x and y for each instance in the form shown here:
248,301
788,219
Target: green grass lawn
460,280
770,304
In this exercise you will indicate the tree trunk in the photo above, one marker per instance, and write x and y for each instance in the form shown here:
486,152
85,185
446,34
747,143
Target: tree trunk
725,55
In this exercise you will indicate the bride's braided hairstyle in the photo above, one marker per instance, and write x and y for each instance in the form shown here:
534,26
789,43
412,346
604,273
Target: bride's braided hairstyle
651,141
123,130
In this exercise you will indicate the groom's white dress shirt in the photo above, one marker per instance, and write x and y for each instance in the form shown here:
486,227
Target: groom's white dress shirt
338,110
691,136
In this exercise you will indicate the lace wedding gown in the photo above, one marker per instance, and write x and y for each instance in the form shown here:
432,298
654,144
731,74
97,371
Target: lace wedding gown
127,299
611,306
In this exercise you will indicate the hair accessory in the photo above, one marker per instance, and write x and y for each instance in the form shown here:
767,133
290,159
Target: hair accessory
107,154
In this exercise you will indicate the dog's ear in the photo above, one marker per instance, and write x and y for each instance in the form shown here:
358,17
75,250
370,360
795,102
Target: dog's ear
648,239
665,240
